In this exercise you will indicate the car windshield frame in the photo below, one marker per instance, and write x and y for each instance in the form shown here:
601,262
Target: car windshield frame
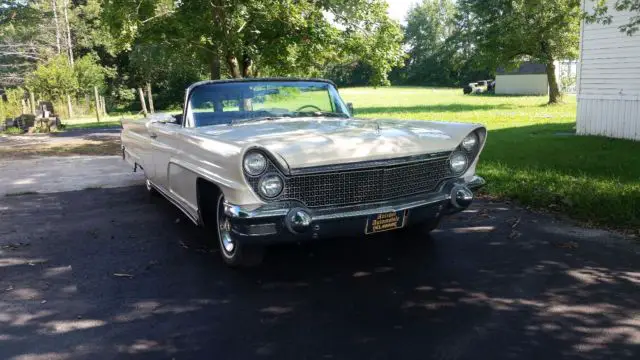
217,93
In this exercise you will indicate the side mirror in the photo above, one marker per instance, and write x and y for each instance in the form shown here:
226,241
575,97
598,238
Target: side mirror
350,107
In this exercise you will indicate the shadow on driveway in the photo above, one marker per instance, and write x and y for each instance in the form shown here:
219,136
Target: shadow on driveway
111,274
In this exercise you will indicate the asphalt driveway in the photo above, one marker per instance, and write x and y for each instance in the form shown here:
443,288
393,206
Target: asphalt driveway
112,274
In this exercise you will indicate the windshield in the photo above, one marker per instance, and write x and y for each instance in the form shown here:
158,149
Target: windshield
227,103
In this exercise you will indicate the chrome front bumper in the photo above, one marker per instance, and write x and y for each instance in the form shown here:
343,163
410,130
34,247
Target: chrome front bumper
291,221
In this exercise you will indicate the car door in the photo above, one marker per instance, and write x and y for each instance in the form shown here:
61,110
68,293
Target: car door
164,136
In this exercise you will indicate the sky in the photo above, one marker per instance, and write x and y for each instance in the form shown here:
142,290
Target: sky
398,8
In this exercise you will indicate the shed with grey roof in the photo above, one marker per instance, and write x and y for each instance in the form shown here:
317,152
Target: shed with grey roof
528,79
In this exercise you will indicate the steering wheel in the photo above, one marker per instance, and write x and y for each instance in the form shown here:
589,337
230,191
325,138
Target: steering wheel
308,106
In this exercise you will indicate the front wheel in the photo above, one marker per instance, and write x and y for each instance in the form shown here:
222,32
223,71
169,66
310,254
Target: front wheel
234,253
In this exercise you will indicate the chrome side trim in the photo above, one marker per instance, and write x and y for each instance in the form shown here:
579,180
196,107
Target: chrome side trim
238,212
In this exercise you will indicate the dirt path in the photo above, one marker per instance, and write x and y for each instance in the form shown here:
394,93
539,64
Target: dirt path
65,173
97,142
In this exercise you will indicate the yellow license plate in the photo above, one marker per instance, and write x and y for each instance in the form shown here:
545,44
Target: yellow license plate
385,222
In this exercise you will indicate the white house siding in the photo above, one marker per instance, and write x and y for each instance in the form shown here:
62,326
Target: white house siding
609,79
522,84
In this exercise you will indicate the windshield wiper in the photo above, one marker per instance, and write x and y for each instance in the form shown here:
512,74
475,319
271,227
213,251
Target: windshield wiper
322,113
260,118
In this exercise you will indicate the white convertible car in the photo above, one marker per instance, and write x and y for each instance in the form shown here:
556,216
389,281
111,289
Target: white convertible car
282,160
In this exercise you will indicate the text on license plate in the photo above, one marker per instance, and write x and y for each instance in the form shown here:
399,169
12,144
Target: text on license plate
385,221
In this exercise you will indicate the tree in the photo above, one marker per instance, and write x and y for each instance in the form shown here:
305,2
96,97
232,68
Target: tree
89,73
27,36
168,67
54,78
507,32
90,33
430,25
601,14
245,38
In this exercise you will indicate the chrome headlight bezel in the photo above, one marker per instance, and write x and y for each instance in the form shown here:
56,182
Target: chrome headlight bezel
247,165
461,156
471,142
270,177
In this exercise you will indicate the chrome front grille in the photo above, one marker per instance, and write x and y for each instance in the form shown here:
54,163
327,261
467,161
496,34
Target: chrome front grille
366,185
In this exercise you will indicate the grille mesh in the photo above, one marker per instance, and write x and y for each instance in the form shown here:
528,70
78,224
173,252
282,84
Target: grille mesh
366,186
363,186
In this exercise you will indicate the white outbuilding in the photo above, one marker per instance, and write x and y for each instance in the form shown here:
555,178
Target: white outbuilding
608,88
528,79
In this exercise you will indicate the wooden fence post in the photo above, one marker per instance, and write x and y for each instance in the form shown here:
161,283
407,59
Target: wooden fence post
32,98
150,98
144,105
103,106
95,94
69,107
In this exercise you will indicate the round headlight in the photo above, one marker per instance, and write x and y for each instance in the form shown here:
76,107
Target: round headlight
255,163
458,162
470,142
270,185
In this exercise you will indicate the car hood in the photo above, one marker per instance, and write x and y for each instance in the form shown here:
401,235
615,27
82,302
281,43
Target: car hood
308,142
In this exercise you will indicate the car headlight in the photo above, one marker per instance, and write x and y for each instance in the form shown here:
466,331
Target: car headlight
458,162
270,185
470,142
254,163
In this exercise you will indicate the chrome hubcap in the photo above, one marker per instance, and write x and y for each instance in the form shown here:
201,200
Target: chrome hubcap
224,232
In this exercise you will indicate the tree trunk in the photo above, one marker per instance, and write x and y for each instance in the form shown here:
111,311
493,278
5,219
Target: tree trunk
234,67
554,90
214,66
97,97
144,105
247,66
69,107
65,3
54,6
150,98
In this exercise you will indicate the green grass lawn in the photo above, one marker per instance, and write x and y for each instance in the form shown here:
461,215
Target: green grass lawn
530,155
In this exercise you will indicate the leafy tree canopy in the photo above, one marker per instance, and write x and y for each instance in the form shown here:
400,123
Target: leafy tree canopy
54,78
602,13
265,37
89,73
507,32
430,26
25,38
